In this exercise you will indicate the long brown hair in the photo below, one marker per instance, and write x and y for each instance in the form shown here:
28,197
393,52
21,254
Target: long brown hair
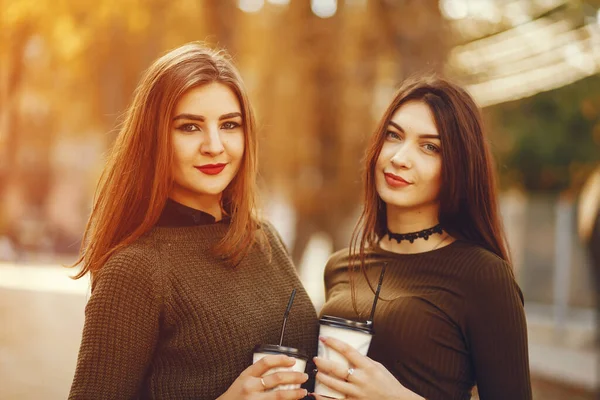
468,196
136,181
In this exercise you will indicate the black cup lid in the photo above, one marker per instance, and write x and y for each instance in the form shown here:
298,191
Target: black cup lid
276,349
346,323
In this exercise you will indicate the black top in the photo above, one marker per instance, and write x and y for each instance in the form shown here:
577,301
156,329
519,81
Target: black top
178,215
446,320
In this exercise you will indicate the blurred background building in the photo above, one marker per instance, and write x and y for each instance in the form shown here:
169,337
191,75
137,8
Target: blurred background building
320,73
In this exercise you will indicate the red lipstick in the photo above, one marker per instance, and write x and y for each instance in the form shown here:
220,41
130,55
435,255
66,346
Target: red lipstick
396,181
211,169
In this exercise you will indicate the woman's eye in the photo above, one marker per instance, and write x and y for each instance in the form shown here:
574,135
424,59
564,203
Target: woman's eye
189,127
432,148
230,125
392,135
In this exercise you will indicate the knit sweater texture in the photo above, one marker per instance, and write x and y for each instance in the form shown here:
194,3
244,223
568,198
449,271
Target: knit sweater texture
454,319
168,320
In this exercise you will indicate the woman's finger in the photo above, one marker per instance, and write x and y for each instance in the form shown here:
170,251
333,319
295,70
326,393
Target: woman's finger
319,397
266,363
284,378
338,385
351,354
332,368
295,394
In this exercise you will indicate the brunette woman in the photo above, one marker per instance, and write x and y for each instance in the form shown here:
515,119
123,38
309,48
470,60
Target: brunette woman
452,314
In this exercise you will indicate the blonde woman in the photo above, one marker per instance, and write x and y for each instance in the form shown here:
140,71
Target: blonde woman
185,279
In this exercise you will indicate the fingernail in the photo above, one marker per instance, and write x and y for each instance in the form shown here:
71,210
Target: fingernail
322,338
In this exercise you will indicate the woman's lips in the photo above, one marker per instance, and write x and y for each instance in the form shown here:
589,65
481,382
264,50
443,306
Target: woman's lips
396,181
211,169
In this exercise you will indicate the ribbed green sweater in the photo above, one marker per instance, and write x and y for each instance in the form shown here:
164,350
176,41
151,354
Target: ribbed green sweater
456,320
167,320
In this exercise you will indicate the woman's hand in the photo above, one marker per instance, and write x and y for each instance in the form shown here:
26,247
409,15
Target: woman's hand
366,379
250,386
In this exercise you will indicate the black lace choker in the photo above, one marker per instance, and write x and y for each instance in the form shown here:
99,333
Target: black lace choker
412,236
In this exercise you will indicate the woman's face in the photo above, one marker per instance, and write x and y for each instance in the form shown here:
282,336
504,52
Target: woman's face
408,170
208,142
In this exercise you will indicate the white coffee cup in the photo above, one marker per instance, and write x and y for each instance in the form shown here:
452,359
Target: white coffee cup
356,334
264,350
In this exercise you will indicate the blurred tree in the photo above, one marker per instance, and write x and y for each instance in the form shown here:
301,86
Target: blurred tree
14,61
72,74
549,142
15,33
319,85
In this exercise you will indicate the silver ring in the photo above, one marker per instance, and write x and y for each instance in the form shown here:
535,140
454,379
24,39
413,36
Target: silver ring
262,381
350,372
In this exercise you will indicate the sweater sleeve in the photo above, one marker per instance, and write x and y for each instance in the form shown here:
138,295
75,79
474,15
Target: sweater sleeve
268,227
120,331
497,334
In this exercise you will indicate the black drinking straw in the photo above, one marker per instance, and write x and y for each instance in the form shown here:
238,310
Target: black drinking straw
285,315
370,321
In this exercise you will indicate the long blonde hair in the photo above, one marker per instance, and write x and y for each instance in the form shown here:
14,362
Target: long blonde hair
137,178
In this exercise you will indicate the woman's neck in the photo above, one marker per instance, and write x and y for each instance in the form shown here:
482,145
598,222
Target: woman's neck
208,204
401,220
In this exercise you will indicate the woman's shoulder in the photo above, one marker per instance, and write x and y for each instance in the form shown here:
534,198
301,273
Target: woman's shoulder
137,259
139,250
485,273
338,262
268,227
272,235
346,257
338,259
475,257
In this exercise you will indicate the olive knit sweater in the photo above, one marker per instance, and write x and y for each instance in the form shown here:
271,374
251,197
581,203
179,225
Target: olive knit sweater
168,320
